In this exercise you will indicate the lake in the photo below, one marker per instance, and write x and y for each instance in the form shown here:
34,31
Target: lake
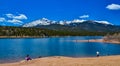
12,50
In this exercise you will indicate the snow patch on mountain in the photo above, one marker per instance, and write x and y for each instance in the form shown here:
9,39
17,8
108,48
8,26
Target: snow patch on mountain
78,21
45,21
104,22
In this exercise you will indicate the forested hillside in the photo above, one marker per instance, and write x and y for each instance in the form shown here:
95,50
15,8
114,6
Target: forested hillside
41,32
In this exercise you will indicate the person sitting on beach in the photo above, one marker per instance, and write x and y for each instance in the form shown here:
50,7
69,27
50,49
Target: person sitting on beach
97,53
28,58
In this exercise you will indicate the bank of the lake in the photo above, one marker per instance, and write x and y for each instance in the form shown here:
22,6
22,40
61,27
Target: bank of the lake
69,61
33,36
23,36
98,40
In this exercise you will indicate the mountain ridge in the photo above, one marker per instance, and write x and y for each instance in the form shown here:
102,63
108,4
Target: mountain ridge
45,21
75,25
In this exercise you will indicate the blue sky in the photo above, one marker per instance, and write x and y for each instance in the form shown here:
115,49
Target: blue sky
24,11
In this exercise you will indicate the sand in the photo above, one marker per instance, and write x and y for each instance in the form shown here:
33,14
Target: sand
68,61
98,40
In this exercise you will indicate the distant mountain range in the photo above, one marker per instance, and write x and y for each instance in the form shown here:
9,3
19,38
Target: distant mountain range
75,25
45,21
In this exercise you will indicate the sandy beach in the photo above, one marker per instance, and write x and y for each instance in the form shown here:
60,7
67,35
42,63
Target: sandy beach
98,40
68,61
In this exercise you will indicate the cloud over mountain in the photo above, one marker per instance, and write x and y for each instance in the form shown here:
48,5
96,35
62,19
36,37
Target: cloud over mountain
84,16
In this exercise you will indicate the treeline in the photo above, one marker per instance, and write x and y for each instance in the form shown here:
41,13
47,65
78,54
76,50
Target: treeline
22,31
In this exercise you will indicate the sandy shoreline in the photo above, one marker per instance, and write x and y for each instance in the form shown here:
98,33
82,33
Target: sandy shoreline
68,61
97,40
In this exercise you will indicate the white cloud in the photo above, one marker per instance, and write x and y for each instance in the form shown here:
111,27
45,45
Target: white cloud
14,21
2,19
9,15
113,7
19,17
84,16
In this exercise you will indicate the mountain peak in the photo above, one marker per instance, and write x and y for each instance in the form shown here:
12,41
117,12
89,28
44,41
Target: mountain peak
45,21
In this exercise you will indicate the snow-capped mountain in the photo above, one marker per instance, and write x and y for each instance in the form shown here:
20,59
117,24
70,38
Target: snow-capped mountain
42,21
45,21
74,25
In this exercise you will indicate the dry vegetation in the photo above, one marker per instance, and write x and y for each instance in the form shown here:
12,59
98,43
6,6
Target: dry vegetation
114,37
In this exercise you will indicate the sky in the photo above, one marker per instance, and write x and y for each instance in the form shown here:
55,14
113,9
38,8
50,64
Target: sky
18,12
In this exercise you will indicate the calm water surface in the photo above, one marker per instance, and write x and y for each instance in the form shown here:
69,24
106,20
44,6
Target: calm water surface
12,50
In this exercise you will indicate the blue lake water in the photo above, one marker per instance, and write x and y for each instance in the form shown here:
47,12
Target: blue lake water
12,50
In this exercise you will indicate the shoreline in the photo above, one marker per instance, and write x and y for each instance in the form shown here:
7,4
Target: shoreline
32,36
98,40
4,37
23,36
69,61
